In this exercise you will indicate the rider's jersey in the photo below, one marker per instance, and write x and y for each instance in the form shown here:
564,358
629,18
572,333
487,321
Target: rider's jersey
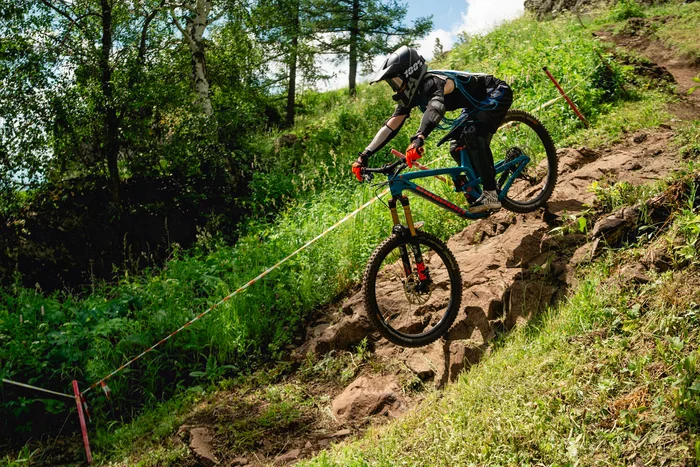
478,85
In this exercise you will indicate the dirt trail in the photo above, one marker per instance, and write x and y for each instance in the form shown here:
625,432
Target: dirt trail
512,266
638,36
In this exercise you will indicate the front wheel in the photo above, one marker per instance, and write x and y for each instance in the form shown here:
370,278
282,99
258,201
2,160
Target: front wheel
522,134
412,289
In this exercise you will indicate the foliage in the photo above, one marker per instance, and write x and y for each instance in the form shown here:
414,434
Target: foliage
611,373
362,29
625,9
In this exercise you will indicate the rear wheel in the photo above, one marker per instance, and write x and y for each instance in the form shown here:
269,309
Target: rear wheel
522,134
412,303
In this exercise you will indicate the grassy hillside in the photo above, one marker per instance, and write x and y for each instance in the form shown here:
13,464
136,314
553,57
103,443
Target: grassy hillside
86,335
608,377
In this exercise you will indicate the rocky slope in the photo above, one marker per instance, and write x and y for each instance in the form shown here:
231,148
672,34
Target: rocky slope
513,267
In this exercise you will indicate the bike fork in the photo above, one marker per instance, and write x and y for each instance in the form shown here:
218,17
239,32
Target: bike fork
423,273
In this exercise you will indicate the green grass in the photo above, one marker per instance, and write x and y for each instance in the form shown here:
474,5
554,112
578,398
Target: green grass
680,30
307,184
609,376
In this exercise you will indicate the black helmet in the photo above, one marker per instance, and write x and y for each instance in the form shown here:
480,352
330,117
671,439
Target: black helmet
403,70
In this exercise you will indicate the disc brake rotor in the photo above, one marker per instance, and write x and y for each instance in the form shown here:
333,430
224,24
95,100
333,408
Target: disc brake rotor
413,295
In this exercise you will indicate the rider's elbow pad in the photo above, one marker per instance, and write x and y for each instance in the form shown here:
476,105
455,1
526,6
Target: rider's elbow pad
434,111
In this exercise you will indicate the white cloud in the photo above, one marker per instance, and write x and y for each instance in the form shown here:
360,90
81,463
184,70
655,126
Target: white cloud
483,15
479,17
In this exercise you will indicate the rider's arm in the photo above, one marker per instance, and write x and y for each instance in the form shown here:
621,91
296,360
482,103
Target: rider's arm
390,129
435,108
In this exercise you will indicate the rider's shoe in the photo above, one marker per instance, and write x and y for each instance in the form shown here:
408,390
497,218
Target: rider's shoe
488,201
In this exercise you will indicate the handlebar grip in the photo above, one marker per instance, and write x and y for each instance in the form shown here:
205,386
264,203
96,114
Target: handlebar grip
397,154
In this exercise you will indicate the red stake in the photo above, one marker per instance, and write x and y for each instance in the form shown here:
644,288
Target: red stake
571,104
83,425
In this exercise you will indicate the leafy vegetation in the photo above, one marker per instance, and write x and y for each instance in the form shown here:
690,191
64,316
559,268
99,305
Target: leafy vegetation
300,186
610,375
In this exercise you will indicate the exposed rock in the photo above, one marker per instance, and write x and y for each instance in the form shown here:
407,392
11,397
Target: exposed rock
353,304
640,138
475,325
633,274
544,8
341,433
421,366
657,258
239,461
342,335
460,356
201,445
571,159
365,397
613,227
586,253
288,457
527,299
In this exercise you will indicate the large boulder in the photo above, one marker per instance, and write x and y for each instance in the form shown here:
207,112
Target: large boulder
366,397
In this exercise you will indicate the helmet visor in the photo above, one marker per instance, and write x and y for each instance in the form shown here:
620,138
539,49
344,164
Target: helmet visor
396,83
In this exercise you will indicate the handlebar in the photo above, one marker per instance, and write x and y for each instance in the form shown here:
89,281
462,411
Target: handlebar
387,169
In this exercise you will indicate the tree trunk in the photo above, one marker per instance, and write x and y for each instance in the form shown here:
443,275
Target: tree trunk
292,87
354,34
110,149
195,31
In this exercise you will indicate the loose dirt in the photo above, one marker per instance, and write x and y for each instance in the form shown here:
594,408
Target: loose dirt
638,37
513,267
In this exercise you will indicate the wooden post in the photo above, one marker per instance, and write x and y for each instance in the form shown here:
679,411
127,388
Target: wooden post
571,104
83,425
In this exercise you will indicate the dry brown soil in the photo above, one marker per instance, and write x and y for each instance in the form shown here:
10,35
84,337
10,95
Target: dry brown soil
512,266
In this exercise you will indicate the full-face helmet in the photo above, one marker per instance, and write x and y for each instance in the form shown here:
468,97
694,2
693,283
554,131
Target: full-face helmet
403,69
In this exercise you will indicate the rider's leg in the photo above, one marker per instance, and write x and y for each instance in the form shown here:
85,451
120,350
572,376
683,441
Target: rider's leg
488,122
483,160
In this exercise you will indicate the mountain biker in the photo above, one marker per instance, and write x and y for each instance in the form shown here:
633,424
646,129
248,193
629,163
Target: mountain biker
485,98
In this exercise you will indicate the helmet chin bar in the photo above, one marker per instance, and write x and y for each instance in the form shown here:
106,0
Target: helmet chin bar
404,97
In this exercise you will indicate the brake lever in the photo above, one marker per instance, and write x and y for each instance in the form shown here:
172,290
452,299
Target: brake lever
368,177
399,168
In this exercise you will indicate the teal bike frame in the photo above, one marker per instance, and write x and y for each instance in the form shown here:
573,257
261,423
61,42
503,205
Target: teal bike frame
398,183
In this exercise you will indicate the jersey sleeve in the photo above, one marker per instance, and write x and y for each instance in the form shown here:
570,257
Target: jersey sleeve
401,110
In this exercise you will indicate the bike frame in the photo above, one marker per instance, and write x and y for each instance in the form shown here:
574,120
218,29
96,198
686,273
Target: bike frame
404,182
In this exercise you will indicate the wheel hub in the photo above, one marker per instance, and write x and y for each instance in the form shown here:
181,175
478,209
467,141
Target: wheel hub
417,292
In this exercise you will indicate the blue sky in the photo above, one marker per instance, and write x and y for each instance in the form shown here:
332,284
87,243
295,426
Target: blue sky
447,16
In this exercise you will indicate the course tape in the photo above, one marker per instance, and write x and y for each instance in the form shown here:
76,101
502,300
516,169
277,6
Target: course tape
29,386
239,290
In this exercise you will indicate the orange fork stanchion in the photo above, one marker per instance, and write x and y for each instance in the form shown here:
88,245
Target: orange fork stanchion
83,425
571,104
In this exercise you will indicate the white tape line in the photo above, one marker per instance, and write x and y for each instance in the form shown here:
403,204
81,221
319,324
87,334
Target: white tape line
7,381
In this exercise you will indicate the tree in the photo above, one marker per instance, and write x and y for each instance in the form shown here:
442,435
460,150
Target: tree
286,28
197,15
94,51
437,48
362,29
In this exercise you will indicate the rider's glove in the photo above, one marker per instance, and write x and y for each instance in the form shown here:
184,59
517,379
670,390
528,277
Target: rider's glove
360,164
415,150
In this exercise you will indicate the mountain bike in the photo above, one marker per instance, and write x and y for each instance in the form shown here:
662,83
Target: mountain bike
412,284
